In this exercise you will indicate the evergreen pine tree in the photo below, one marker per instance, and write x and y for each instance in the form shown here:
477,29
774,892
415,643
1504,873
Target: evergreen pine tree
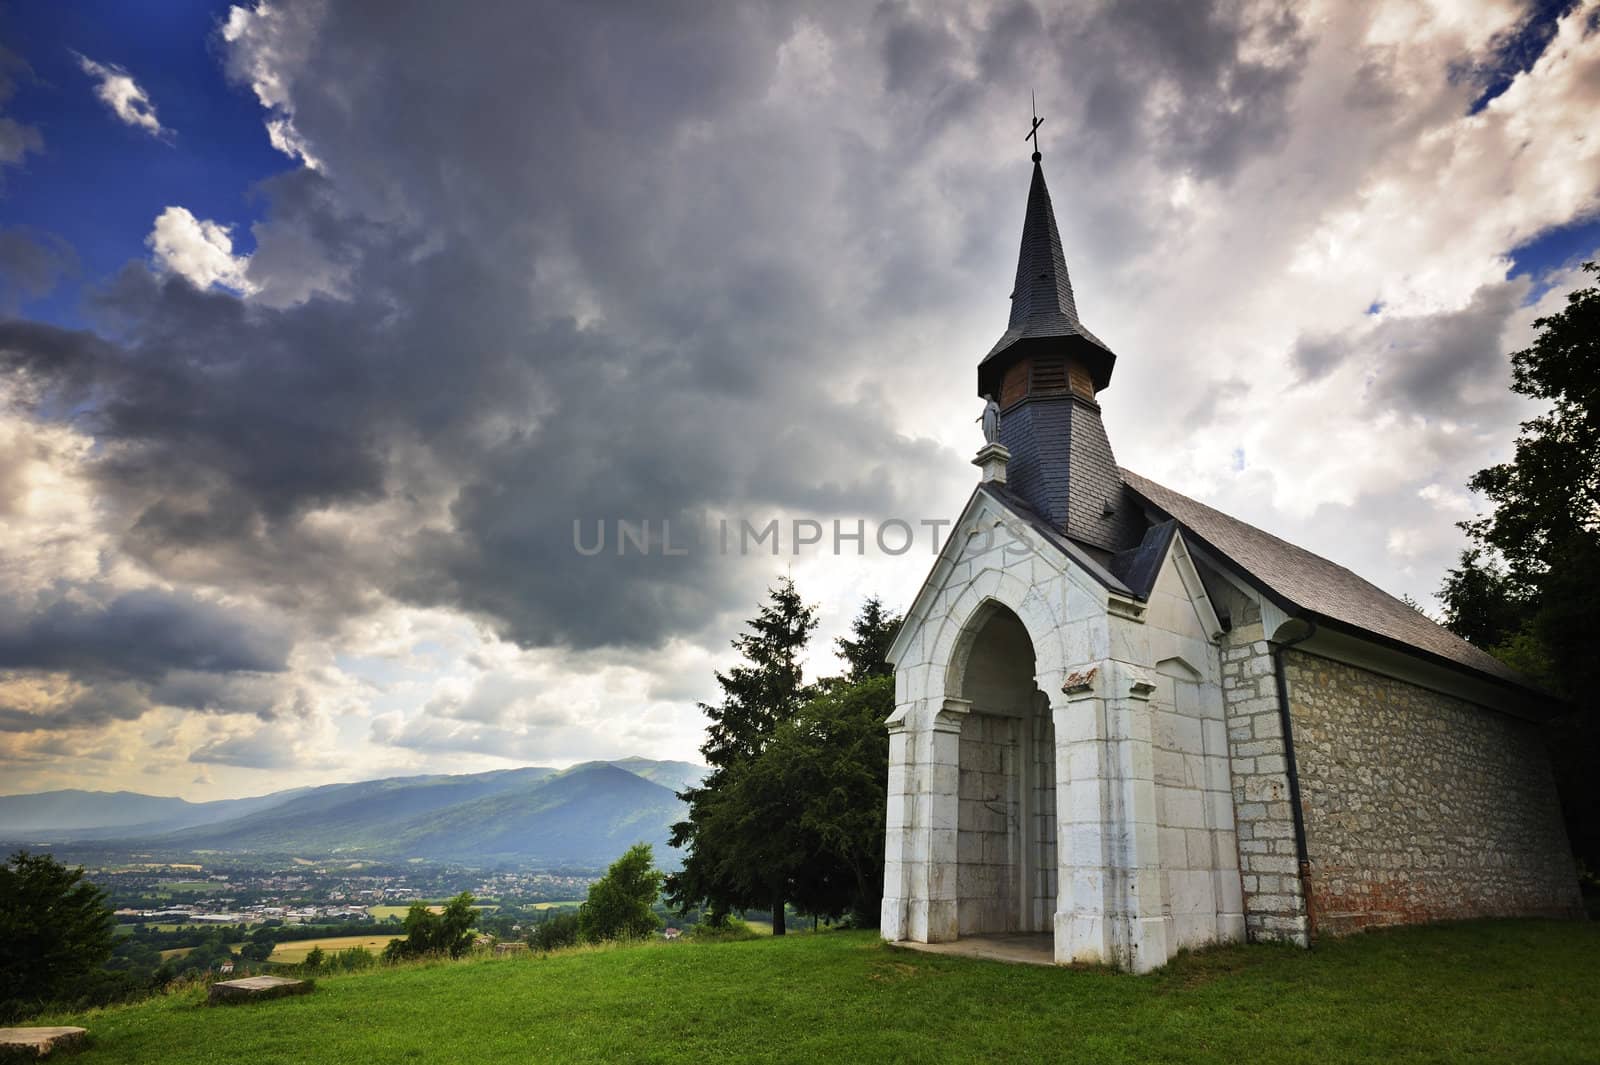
736,860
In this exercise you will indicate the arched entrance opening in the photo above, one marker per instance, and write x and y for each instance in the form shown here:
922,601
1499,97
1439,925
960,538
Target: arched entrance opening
1006,817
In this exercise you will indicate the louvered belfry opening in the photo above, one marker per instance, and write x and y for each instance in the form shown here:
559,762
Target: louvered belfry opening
1045,376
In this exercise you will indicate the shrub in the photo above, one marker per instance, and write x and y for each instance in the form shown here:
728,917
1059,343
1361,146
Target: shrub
352,960
731,930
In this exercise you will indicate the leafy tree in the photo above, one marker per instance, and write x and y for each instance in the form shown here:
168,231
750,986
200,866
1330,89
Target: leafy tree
621,904
1528,590
834,757
764,690
432,934
56,932
554,932
314,959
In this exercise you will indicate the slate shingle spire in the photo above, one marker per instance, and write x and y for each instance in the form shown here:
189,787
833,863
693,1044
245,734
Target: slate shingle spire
1045,371
1044,312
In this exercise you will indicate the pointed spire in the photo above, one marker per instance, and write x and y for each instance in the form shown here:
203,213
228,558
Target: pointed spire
1044,313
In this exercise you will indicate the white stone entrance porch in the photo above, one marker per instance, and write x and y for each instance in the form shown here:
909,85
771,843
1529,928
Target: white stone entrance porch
1058,759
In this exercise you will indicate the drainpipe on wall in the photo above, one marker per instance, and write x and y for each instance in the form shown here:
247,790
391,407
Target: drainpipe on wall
1293,771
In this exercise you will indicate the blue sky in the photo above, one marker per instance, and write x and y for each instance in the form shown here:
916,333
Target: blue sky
99,183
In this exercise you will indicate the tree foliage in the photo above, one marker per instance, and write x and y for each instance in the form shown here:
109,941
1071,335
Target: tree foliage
833,761
56,933
1528,590
866,650
558,930
727,865
803,809
430,934
621,904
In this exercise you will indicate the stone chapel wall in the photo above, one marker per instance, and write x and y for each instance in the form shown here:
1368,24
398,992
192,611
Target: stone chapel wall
1268,865
1420,806
1202,902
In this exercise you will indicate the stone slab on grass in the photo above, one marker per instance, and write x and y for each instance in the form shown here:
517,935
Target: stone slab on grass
252,988
28,1044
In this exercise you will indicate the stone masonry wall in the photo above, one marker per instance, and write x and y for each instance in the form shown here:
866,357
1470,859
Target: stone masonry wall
1420,806
1269,868
986,829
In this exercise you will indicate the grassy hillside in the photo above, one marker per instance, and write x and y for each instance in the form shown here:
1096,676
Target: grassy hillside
1488,991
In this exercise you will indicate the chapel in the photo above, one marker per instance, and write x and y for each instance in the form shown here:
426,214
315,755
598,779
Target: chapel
1129,724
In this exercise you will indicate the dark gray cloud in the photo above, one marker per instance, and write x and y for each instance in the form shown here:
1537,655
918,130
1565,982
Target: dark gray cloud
140,635
1426,363
561,262
100,703
17,139
1202,85
30,265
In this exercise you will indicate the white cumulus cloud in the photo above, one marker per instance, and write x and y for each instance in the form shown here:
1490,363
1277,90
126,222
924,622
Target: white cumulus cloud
128,101
266,45
198,249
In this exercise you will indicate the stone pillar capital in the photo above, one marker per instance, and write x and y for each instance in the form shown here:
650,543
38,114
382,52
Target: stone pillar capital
992,459
951,714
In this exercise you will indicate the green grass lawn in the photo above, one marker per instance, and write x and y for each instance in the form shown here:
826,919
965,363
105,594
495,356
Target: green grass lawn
1486,991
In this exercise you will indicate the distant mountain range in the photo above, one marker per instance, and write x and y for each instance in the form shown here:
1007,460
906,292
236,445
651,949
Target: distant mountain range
585,815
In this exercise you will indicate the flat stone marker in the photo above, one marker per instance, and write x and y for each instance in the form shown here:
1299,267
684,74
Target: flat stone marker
20,1044
257,987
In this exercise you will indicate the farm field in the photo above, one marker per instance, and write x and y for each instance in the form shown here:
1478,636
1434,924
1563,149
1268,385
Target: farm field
383,913
293,953
1489,991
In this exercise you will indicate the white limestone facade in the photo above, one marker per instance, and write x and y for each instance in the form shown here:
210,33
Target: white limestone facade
1059,753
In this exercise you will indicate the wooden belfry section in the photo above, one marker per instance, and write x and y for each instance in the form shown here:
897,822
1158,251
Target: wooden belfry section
1044,376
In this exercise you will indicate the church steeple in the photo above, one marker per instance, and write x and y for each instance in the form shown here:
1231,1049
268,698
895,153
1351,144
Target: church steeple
1045,372
1044,312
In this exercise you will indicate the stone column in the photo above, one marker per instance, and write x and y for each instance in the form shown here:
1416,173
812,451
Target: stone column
1109,885
932,913
1140,932
1083,828
897,834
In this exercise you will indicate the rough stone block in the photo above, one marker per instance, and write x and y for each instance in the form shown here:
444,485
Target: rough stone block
253,988
25,1044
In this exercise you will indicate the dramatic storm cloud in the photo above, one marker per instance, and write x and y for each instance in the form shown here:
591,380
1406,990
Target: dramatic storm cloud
290,483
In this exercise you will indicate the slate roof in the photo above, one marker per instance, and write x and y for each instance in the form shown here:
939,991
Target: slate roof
1043,307
1301,582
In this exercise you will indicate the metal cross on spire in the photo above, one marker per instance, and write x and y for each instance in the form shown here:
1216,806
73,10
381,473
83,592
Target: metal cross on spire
1033,134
